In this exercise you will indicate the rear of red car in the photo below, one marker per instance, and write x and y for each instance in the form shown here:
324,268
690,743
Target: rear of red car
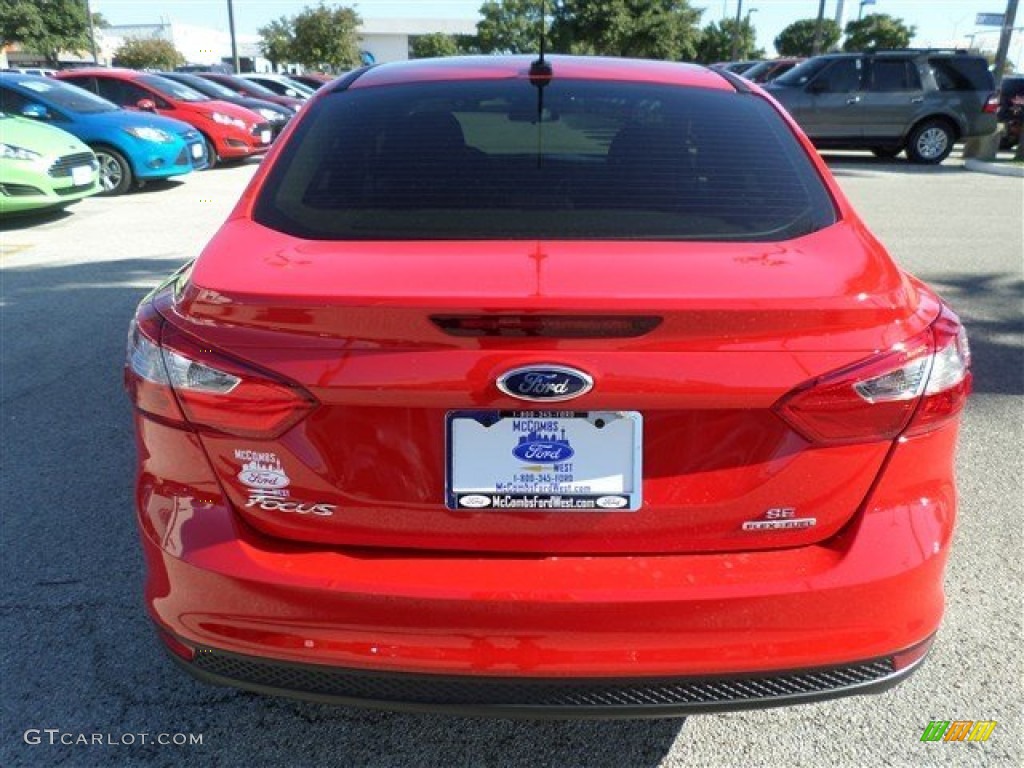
576,394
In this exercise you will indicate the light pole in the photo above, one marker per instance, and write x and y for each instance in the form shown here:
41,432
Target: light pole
818,27
234,44
92,32
736,31
1004,40
746,26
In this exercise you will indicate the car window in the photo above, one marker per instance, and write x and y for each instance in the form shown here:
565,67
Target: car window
208,87
471,160
894,75
842,76
173,89
13,102
251,87
803,73
65,96
121,91
963,73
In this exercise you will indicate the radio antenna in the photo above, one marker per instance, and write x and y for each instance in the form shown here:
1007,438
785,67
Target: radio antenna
540,75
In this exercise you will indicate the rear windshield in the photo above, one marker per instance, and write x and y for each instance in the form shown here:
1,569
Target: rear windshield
596,160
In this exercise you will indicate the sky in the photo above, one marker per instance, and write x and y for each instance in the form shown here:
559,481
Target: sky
938,22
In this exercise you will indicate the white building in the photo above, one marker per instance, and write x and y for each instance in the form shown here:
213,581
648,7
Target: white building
383,39
388,39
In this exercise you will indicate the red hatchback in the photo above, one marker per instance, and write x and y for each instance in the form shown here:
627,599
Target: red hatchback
574,388
231,132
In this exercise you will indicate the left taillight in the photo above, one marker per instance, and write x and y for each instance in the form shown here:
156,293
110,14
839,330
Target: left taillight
912,389
175,378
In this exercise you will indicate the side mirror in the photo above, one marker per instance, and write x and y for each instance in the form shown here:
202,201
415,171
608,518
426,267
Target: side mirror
146,105
34,112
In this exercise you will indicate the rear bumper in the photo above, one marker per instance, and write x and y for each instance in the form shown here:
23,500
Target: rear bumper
868,593
547,697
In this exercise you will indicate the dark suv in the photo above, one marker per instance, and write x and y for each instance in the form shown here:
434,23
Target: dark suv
1011,110
921,101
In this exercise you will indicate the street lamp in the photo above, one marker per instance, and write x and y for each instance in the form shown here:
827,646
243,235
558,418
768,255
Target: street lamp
860,11
234,44
92,32
746,26
736,31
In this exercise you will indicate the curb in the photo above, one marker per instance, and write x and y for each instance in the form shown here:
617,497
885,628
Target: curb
994,169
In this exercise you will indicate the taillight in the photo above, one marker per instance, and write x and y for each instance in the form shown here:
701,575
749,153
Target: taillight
172,376
913,388
992,104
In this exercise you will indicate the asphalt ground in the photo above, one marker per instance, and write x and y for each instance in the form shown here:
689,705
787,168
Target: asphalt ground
78,654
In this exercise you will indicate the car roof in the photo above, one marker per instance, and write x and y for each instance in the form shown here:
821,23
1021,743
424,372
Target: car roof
576,67
118,72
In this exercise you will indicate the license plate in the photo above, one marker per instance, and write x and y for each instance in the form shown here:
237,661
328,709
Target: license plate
81,175
548,461
197,151
265,137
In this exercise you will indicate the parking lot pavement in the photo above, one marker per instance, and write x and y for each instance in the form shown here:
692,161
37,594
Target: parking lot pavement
77,651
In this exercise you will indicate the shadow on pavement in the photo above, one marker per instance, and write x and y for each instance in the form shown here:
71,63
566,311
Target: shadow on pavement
866,164
989,306
12,222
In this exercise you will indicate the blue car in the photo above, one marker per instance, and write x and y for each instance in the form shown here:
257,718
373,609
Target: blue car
131,147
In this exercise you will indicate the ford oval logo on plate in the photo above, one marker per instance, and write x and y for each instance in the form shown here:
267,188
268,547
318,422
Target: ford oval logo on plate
545,383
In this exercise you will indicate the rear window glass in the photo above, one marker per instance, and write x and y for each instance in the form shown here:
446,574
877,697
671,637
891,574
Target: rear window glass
894,75
598,160
962,74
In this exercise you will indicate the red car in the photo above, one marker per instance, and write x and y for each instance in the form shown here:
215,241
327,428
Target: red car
565,388
231,132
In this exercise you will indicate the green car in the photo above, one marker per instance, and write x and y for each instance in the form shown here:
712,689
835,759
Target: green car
42,166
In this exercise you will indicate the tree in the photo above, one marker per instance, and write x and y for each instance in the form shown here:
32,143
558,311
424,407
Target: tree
653,29
716,41
434,45
325,38
148,53
46,27
511,26
877,30
798,38
276,40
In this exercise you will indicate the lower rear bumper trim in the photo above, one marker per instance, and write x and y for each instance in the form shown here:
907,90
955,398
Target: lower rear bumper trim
542,697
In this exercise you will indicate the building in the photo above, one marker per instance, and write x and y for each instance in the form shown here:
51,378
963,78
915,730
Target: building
380,40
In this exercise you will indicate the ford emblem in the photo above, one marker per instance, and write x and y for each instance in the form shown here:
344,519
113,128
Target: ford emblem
545,383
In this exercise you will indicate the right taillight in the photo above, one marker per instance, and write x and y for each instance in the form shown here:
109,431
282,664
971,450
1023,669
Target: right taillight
175,378
913,388
991,104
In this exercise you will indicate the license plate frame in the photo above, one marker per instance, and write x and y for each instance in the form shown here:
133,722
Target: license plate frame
561,467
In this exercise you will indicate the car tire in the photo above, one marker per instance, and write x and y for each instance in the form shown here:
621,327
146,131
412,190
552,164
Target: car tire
115,176
886,153
930,142
211,153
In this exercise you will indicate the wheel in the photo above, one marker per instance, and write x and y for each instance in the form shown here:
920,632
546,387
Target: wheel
211,153
886,153
115,172
930,142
